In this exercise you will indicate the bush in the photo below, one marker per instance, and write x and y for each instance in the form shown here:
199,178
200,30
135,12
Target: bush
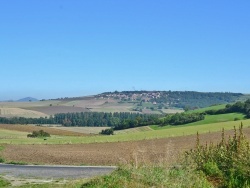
2,160
4,183
228,161
40,133
107,131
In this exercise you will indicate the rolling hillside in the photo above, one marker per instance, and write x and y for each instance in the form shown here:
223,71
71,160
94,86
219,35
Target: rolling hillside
148,102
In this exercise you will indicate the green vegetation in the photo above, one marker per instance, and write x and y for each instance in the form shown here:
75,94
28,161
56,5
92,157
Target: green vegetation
227,163
240,107
169,131
107,131
38,134
209,119
181,118
90,119
149,175
4,183
219,118
178,99
1,158
213,107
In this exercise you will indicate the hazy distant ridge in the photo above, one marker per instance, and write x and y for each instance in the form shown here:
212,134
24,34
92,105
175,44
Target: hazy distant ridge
27,99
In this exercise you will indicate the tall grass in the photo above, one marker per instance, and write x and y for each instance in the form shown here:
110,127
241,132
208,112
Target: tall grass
158,172
1,158
4,183
227,163
149,176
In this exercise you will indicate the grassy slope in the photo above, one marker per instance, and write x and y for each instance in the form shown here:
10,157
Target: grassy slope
132,130
169,132
216,107
208,120
219,118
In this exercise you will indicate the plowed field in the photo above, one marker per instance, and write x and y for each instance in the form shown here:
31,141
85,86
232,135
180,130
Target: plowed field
109,153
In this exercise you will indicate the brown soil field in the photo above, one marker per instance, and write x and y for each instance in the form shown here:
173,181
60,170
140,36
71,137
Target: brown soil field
50,130
51,110
157,150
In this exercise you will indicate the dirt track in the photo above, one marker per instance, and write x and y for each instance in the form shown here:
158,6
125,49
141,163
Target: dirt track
108,153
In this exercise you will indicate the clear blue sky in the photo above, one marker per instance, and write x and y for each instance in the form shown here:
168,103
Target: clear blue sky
60,48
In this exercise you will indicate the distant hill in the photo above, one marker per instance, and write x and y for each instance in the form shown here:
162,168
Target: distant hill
27,99
177,99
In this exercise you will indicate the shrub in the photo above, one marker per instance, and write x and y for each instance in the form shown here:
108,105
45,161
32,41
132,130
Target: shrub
4,183
107,131
2,160
40,133
236,119
228,161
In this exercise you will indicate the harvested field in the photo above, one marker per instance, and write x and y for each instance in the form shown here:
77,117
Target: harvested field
109,153
148,111
51,110
30,128
85,130
132,130
29,104
13,112
90,103
172,111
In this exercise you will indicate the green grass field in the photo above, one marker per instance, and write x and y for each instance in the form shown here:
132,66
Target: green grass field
216,107
219,118
208,120
20,137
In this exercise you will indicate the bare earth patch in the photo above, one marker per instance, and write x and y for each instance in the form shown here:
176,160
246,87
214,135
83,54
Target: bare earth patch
50,130
109,153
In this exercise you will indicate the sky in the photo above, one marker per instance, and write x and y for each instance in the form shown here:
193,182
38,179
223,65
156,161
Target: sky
62,48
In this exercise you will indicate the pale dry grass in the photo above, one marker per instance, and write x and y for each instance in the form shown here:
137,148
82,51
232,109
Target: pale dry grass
85,130
172,111
18,112
133,130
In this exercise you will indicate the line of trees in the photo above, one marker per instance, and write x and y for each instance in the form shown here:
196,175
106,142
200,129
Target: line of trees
124,120
99,119
181,118
91,119
240,107
22,120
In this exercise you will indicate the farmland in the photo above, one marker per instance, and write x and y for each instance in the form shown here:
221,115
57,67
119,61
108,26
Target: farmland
84,130
127,101
84,146
103,153
13,112
172,131
138,144
50,130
